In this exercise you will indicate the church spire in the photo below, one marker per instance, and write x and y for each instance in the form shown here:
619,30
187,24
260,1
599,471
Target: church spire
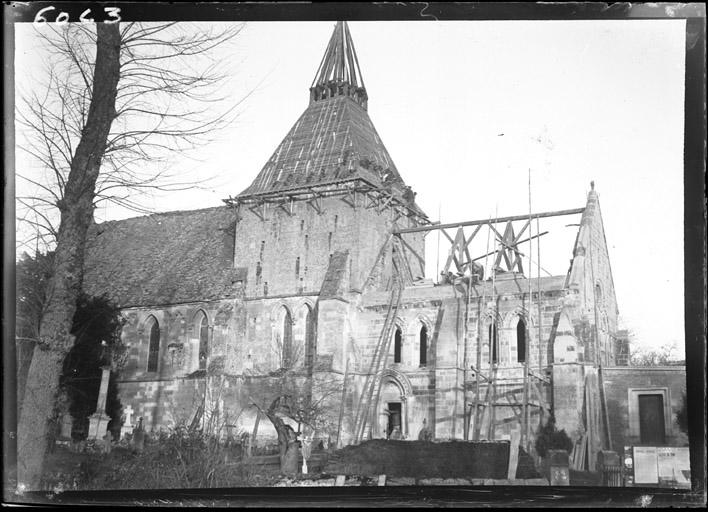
339,73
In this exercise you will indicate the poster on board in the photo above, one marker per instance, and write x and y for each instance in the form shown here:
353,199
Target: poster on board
645,465
673,467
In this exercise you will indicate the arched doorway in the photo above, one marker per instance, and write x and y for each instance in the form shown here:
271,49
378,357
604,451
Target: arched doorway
393,405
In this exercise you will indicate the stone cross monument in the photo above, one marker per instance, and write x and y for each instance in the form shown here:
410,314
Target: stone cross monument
98,421
128,426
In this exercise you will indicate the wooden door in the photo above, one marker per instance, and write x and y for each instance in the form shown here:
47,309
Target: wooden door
651,420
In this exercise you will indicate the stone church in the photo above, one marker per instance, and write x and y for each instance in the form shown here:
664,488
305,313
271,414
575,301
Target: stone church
317,270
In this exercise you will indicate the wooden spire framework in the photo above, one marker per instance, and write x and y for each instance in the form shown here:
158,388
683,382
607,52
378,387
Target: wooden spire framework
332,150
339,73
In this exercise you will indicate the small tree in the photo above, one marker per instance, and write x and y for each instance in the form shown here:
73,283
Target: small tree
305,399
663,356
550,438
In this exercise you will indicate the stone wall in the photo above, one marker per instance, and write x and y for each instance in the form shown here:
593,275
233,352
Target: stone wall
290,251
621,387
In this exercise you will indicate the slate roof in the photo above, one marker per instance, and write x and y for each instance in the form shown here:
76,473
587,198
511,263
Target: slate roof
333,139
165,258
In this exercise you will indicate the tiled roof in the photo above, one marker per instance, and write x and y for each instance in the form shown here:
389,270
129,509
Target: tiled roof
165,258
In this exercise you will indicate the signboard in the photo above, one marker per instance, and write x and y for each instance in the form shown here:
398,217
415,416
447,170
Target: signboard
673,467
628,463
645,465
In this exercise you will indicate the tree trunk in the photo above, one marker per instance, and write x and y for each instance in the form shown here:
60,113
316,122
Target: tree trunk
76,209
289,460
287,441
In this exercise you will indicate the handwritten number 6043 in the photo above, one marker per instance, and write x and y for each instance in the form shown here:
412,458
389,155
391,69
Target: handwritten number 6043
63,17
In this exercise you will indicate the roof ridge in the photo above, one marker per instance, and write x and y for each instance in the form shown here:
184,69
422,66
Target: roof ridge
172,213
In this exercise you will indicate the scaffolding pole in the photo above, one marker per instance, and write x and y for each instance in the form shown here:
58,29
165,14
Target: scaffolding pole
525,417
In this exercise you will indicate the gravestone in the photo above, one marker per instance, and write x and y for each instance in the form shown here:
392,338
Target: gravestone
106,443
137,443
127,428
66,424
306,448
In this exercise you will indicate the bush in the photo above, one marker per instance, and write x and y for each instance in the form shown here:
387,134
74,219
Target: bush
550,438
178,459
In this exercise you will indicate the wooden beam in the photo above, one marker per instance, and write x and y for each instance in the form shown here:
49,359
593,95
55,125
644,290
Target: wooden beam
316,204
287,209
444,233
385,204
492,221
469,240
254,210
539,377
521,242
349,199
418,256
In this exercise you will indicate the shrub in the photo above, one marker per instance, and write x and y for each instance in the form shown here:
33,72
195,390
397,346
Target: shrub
550,438
179,458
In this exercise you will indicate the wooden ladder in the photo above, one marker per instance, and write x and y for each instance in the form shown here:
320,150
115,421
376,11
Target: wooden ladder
372,385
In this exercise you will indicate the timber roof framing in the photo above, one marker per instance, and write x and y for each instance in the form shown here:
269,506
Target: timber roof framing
459,258
345,189
434,226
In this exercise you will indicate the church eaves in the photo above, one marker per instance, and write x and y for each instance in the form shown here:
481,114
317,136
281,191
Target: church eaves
333,143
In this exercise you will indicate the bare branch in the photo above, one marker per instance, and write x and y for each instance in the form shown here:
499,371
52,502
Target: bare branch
170,100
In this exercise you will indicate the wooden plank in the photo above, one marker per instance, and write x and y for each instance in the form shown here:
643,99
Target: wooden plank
514,405
520,233
316,205
513,455
252,442
541,399
444,233
466,250
557,213
405,260
521,242
258,214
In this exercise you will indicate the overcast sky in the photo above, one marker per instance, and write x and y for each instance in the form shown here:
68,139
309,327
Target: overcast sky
575,101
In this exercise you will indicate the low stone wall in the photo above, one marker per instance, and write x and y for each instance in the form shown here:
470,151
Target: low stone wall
421,459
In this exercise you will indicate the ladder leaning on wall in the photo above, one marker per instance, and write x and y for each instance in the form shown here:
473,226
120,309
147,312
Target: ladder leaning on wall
372,385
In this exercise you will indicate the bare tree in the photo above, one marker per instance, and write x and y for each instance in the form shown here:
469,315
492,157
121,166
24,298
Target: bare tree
304,399
170,100
118,102
663,356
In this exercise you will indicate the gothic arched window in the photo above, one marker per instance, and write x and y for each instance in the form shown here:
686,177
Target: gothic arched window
493,342
521,341
202,324
310,340
154,346
287,339
397,345
423,345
